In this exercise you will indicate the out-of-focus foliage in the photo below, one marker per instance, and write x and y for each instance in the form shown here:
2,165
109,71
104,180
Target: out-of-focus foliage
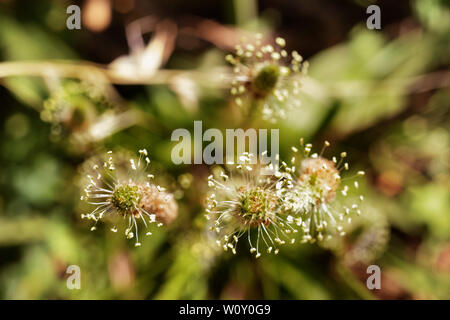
382,95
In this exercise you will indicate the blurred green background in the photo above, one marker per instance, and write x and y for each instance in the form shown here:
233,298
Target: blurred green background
381,95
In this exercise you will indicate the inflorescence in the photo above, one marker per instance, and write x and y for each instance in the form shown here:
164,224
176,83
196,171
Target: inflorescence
128,194
291,203
74,105
248,203
296,201
313,188
268,75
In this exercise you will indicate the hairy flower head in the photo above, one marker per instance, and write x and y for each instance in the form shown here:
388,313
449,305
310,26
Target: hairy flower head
268,74
321,176
312,193
247,203
74,106
128,193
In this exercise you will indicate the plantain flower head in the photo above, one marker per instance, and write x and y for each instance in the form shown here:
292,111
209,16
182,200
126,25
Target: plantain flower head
314,187
248,203
74,106
267,74
127,193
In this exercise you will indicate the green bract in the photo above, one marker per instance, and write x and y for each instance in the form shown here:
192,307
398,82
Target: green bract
256,204
266,79
126,197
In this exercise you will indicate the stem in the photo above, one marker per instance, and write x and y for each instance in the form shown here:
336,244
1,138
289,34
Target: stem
252,111
84,70
212,78
353,283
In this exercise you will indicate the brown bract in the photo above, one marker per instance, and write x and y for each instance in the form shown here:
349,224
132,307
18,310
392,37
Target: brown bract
159,203
322,174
